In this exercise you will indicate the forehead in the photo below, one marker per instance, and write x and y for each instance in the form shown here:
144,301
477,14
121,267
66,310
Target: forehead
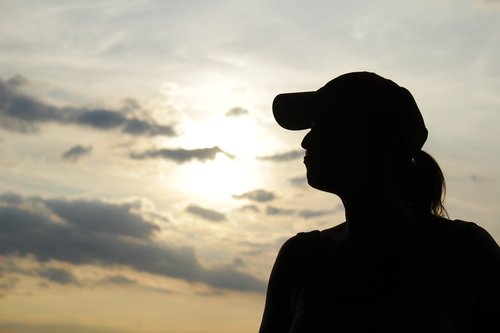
348,107
338,110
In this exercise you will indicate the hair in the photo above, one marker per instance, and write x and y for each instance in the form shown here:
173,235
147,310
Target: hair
425,185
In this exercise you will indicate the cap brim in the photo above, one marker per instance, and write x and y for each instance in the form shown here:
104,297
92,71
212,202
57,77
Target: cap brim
295,111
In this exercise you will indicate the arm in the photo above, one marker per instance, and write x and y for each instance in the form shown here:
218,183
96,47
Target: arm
278,314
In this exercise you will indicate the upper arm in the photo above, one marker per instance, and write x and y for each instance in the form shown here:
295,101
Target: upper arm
278,314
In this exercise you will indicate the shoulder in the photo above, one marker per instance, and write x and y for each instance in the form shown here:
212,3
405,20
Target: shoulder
479,257
468,236
477,243
469,233
480,266
292,259
301,243
295,252
287,269
474,235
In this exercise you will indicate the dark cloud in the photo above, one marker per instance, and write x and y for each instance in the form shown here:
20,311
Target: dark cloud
101,217
76,152
94,232
27,109
9,266
57,275
117,279
257,195
272,210
124,281
21,112
304,213
180,155
11,198
235,112
52,274
283,157
239,262
249,208
207,214
17,81
142,127
307,213
211,293
7,285
298,181
102,119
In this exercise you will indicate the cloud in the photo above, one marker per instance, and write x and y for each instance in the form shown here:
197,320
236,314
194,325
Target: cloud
7,285
257,195
65,277
272,210
304,213
181,155
53,274
117,279
283,157
298,181
97,217
142,127
76,152
17,81
124,281
21,112
207,214
249,208
94,232
57,275
210,293
11,198
102,119
236,112
308,213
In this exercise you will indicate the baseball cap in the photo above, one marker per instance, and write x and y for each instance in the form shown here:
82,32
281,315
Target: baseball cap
387,106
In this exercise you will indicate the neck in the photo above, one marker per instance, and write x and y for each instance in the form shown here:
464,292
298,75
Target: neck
376,216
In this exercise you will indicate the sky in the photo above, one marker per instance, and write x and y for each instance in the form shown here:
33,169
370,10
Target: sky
144,185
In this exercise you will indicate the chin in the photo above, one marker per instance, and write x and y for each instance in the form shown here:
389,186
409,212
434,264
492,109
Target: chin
322,184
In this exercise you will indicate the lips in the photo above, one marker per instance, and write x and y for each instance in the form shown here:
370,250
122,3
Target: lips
307,157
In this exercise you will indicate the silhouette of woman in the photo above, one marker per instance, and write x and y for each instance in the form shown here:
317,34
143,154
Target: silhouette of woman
396,264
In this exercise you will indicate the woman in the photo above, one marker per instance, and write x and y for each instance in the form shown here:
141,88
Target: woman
396,264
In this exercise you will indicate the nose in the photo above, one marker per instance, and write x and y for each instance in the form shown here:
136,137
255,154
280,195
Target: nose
306,141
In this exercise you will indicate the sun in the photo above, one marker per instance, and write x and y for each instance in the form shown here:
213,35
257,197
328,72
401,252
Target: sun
217,179
206,124
232,170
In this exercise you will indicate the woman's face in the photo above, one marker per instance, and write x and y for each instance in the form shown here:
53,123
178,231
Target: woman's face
339,155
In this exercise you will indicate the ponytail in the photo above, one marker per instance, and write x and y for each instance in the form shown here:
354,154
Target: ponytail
428,187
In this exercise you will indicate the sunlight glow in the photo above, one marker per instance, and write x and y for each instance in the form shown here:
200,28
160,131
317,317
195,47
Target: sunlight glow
210,125
218,179
236,136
